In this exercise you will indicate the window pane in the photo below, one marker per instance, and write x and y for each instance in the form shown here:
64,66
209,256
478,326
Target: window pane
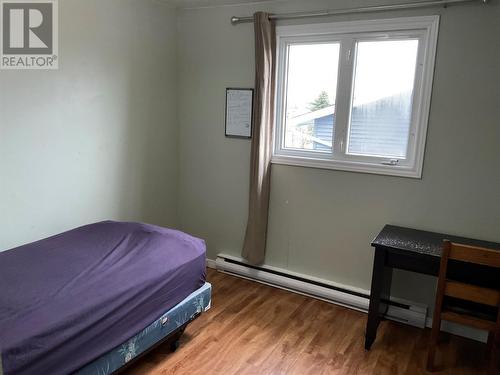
310,96
382,99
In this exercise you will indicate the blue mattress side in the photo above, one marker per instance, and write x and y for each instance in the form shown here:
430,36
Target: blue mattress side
197,302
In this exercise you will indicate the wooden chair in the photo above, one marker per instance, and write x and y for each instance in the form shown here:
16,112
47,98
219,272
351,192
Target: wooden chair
466,292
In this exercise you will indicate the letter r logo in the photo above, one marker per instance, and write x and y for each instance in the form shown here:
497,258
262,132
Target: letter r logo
27,28
29,34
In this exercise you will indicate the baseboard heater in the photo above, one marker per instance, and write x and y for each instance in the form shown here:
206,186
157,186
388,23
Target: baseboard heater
357,299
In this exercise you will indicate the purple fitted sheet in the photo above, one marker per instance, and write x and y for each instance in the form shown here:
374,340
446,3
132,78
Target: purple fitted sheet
67,299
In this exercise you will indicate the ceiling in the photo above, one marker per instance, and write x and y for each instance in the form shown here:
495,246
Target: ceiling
211,3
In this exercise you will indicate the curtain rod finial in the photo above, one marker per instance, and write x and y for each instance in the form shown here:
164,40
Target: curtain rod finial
235,20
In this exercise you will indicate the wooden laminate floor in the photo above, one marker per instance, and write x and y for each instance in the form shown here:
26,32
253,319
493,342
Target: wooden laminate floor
256,329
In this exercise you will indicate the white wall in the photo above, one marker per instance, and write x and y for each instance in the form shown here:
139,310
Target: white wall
99,139
322,221
96,139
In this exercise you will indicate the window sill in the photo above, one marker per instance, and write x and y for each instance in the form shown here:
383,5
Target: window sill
349,166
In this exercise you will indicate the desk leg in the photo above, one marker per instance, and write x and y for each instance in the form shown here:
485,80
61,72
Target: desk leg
380,294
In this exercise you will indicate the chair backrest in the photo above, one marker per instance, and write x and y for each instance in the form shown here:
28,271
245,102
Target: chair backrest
472,254
484,296
469,254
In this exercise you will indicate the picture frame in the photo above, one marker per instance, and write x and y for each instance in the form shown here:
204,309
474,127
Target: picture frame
239,112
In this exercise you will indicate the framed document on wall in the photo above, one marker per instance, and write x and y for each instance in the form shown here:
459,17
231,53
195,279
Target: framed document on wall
239,110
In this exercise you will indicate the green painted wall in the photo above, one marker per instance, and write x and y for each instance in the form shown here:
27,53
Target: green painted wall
322,221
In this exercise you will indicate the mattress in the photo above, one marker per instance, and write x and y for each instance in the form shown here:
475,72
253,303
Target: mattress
70,298
196,303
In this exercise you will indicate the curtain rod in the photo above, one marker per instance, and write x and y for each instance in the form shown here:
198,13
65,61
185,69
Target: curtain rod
377,8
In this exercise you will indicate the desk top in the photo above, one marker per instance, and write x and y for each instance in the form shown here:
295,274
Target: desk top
422,242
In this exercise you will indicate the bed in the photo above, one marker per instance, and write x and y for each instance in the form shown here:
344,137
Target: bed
93,299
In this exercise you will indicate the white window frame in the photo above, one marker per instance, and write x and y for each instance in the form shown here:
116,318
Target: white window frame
425,29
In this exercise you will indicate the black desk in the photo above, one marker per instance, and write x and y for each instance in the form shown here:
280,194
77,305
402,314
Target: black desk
417,251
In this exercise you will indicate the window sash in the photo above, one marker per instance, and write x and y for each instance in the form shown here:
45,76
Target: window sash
348,34
284,107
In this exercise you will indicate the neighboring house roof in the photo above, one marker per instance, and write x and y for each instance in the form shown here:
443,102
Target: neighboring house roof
310,116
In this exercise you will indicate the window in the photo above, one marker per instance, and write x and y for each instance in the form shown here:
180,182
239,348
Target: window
355,96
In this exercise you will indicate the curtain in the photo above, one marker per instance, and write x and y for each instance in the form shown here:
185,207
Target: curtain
254,247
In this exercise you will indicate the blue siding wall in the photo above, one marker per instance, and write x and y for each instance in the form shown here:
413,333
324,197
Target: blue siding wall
381,127
324,128
378,127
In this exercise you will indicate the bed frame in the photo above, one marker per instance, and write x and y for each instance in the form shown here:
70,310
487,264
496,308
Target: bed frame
173,338
166,329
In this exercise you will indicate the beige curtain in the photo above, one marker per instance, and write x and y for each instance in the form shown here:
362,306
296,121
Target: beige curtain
254,248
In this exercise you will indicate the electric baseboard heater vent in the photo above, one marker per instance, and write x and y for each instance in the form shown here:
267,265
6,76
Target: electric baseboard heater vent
357,299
